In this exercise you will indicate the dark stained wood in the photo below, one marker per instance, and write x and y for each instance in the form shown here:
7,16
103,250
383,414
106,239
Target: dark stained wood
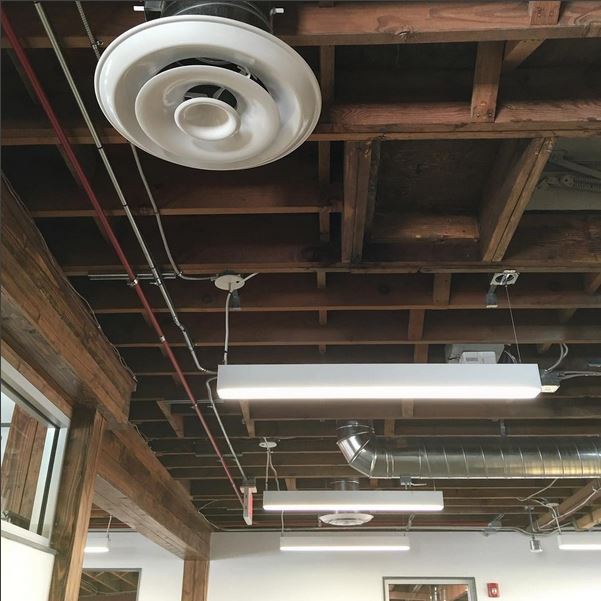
514,178
175,421
420,354
196,580
399,228
21,466
357,173
74,502
43,316
487,76
416,324
592,282
442,289
417,22
133,486
583,497
350,23
544,12
517,52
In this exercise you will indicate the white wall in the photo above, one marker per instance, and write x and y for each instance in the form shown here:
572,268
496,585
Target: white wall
250,566
161,572
26,572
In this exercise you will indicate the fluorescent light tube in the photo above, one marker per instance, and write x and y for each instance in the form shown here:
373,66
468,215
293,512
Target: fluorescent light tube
379,381
353,500
96,549
579,541
345,541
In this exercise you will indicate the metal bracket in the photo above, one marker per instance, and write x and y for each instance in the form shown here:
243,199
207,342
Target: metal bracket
249,487
502,278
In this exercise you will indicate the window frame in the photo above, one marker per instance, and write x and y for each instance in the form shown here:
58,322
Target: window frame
32,400
470,582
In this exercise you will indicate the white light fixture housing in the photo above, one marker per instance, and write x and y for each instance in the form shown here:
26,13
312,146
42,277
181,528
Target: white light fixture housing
379,381
579,541
248,98
92,549
345,541
353,500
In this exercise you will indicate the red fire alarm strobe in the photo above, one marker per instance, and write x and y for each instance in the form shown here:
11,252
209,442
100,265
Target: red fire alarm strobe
493,589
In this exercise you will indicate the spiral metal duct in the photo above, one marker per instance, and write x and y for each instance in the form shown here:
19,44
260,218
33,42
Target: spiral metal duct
370,457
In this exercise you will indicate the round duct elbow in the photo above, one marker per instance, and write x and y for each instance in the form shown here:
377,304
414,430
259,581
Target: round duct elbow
207,92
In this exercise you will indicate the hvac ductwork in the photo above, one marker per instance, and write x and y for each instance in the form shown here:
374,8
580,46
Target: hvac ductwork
372,458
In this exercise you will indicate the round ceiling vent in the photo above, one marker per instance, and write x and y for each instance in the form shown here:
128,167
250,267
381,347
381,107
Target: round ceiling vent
351,518
207,92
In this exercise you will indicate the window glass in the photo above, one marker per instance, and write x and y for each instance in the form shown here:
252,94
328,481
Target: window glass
32,445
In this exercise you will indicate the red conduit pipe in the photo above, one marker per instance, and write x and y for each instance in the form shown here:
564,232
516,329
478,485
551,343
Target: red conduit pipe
107,229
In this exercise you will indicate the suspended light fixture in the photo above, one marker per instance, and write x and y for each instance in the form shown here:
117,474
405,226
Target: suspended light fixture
353,500
102,547
579,541
208,87
345,541
379,381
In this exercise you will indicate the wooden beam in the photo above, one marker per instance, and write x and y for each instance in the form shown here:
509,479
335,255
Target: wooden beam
327,58
74,502
590,519
246,416
487,76
416,324
409,227
196,580
516,173
133,486
544,12
357,173
592,282
421,353
580,499
175,421
44,318
389,427
290,483
345,292
517,52
441,294
349,23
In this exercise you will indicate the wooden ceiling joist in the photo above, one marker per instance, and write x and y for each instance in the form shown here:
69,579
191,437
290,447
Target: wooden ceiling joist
358,23
518,170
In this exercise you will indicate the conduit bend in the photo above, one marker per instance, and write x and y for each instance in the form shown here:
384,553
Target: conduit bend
108,231
506,460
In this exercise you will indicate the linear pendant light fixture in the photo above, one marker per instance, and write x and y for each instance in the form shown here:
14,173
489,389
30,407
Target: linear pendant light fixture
379,381
579,541
345,541
353,500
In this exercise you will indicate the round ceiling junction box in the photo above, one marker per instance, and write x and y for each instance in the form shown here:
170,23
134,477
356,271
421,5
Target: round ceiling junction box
268,444
229,282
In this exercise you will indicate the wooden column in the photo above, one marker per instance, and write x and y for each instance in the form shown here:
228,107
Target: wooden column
75,502
196,580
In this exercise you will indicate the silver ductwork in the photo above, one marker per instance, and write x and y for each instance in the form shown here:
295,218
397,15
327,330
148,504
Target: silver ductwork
374,459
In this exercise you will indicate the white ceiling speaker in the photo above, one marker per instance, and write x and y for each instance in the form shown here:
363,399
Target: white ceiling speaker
206,91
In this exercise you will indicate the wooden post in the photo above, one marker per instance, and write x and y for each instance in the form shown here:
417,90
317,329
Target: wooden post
75,502
196,580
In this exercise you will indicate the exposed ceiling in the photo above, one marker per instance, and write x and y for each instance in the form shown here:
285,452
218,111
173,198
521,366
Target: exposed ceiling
118,585
374,242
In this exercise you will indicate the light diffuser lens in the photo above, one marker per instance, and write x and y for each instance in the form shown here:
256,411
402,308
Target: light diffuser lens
98,549
343,541
379,381
353,500
579,541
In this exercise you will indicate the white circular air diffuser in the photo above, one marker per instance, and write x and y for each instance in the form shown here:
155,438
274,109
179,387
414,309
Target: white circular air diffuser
207,92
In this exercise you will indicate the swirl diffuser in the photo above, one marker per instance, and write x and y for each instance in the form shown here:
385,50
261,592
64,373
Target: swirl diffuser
207,92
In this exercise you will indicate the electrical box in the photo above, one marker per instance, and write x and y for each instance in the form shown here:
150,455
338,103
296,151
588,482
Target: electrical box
473,353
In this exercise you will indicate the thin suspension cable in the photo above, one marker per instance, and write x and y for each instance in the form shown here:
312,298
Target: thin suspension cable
515,334
223,430
538,492
102,219
226,342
